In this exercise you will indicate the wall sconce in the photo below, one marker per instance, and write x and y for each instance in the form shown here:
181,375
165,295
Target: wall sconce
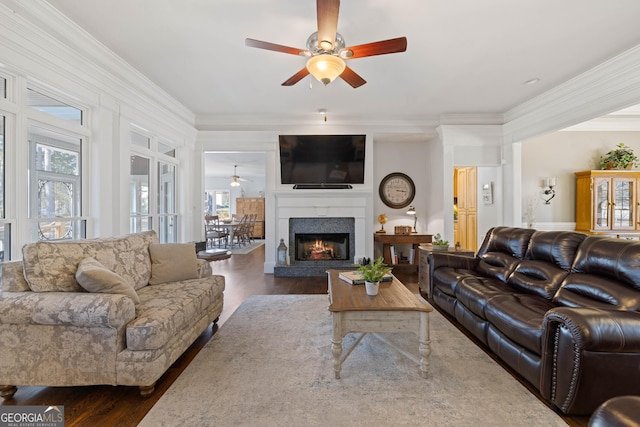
549,192
412,211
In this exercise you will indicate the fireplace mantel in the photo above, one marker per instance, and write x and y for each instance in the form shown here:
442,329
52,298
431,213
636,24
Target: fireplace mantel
327,204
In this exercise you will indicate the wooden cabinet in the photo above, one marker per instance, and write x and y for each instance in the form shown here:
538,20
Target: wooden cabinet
253,205
466,191
384,242
607,202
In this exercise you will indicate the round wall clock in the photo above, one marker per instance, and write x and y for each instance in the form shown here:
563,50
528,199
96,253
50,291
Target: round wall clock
397,190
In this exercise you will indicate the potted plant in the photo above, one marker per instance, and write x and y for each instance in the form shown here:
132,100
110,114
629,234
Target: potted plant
622,157
438,244
372,273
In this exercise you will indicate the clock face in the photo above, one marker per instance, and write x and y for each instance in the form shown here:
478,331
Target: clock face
397,190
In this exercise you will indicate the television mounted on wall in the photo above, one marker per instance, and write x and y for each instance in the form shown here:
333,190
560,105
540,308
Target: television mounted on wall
319,160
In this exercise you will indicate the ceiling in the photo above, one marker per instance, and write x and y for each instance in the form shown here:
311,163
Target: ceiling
251,166
463,56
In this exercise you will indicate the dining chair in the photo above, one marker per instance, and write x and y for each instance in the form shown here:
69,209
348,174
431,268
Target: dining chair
214,234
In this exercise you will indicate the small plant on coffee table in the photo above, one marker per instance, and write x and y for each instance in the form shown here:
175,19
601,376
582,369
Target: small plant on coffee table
374,271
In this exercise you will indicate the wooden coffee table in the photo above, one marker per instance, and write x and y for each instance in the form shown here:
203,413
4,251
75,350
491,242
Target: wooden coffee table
394,309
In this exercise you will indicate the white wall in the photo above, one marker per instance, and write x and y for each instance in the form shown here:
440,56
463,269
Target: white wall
411,157
561,154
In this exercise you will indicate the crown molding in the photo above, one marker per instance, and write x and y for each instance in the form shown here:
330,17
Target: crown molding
213,122
471,119
607,124
610,86
38,32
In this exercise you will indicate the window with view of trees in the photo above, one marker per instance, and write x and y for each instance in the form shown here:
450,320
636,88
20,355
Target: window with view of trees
55,184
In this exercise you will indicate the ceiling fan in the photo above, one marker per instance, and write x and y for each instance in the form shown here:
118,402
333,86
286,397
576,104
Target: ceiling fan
235,179
327,52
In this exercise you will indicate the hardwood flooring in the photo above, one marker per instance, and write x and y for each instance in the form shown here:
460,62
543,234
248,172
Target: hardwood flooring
122,406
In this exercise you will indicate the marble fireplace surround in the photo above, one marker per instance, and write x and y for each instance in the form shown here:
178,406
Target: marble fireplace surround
323,204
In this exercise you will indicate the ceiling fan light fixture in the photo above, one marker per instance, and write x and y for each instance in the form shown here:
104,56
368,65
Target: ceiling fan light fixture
235,183
325,67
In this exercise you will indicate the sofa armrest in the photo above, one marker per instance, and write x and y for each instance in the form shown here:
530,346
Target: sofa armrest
66,309
597,329
204,268
588,356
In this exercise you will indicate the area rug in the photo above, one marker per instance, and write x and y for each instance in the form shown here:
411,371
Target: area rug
270,364
242,250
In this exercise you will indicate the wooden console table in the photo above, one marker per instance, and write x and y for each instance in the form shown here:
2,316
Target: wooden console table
385,241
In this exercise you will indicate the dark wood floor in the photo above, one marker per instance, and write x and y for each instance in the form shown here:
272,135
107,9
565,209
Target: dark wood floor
122,406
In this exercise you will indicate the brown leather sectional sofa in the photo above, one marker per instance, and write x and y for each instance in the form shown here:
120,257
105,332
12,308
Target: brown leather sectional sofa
560,308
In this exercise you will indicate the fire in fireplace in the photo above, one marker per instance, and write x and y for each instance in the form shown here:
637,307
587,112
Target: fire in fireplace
321,247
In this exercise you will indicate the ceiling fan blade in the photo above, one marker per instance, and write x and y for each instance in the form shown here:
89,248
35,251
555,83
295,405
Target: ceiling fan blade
327,11
351,77
276,47
296,77
376,48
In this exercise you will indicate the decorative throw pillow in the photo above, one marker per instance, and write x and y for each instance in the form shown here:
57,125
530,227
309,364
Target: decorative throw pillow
95,277
172,262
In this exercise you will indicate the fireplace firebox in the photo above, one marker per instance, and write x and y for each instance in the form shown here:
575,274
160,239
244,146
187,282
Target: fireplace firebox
321,246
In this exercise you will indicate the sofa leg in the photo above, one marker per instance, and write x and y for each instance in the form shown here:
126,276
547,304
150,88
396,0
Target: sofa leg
7,391
147,390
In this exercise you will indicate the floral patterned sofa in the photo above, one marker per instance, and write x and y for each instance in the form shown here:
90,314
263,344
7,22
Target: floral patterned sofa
113,311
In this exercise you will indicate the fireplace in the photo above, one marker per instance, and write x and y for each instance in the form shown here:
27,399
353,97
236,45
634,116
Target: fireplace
320,212
318,244
321,246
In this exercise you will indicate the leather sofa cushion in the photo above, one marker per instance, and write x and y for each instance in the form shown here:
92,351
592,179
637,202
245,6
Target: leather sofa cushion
586,290
474,292
555,247
617,259
508,240
447,278
497,265
537,277
519,317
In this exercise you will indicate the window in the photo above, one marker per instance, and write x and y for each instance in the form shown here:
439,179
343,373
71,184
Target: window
139,194
53,107
2,169
3,87
55,184
216,202
153,186
5,235
167,150
167,202
140,140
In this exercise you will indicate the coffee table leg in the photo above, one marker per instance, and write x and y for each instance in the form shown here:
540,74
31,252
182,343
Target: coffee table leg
425,343
336,343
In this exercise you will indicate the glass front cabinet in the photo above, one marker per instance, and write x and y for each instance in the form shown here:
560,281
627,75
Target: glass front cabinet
607,202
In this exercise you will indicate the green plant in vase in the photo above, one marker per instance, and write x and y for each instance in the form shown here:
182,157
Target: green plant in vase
622,157
438,243
372,273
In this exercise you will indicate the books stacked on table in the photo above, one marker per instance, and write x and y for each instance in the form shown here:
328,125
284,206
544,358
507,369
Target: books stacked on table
355,278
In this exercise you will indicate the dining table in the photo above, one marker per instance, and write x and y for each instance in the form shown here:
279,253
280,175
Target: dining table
229,227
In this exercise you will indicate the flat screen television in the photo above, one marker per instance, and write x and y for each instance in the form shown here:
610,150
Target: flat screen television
322,159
